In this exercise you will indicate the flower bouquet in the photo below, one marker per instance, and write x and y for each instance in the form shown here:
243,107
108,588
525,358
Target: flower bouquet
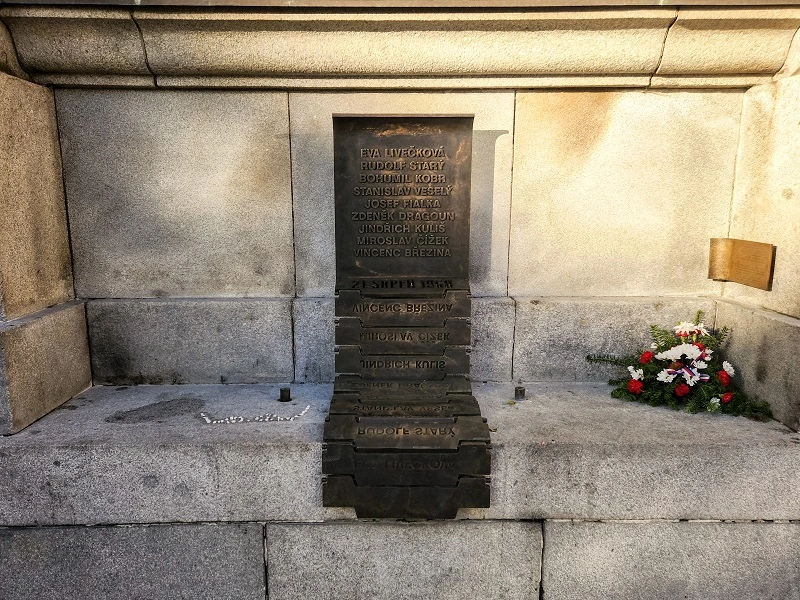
684,369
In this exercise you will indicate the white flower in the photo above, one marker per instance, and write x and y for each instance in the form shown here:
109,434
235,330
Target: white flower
665,376
685,329
676,352
708,352
728,368
699,364
714,401
690,379
636,373
713,405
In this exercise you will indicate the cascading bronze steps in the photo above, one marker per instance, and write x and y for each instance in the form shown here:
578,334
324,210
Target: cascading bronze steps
404,437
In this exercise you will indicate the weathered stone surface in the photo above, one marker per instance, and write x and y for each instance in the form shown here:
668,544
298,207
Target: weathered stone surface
34,255
713,561
443,560
729,40
190,341
765,204
368,44
571,451
177,193
44,361
492,339
764,347
602,179
147,454
312,169
554,335
792,65
209,561
76,41
8,55
313,340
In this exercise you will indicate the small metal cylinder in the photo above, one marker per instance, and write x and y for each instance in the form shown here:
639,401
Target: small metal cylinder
286,395
519,393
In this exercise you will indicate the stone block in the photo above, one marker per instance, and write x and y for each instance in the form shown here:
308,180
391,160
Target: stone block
492,339
792,65
190,341
422,44
570,451
149,454
765,200
729,40
8,54
44,361
554,335
312,170
404,561
207,561
764,347
35,267
664,561
76,40
313,340
178,193
603,182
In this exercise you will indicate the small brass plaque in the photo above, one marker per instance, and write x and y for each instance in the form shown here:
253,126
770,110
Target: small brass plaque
741,261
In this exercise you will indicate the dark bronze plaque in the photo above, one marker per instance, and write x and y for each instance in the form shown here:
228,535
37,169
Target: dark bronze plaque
404,436
402,340
402,190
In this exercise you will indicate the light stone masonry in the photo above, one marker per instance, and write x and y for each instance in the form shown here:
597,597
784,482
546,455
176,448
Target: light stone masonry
157,562
664,561
617,193
178,193
312,170
554,335
766,202
313,340
404,561
764,346
44,361
187,453
35,267
190,341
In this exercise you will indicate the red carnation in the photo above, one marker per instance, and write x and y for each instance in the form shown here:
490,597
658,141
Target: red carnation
681,390
635,386
646,357
699,346
727,397
724,378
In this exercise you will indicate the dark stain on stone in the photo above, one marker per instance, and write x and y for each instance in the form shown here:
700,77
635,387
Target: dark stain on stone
57,463
150,481
67,407
761,360
158,412
122,387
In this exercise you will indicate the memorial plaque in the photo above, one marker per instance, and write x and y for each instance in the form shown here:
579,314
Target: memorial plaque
402,190
404,436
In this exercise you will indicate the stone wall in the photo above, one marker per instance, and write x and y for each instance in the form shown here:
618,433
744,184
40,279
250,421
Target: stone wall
44,358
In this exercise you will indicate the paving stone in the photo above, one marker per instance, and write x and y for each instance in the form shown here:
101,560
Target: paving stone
148,454
35,267
403,561
712,561
313,340
312,169
553,335
181,194
156,562
492,339
765,204
190,341
764,347
605,179
44,361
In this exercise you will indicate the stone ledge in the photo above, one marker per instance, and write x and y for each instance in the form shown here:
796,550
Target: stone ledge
526,48
147,454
